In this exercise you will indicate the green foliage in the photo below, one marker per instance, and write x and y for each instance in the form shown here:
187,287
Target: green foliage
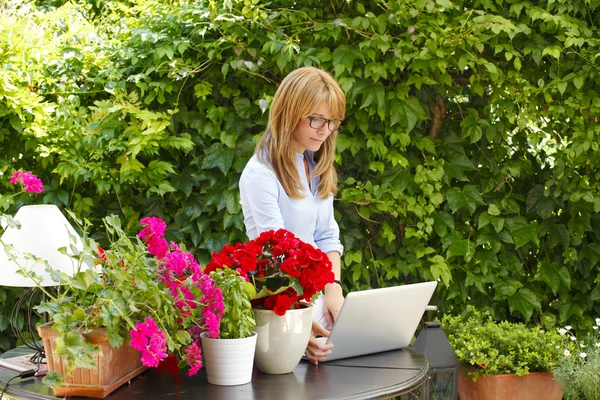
8,298
469,154
238,319
578,371
501,347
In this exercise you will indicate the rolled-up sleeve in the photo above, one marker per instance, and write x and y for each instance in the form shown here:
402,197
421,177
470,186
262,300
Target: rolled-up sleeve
327,232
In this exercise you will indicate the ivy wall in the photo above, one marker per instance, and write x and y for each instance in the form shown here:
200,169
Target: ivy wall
469,155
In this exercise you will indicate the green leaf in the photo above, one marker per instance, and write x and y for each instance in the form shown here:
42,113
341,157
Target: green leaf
344,57
524,301
414,112
553,51
498,223
439,269
461,248
506,288
522,231
397,112
517,63
536,201
484,219
548,272
243,107
442,223
592,253
567,308
595,295
183,337
493,210
444,3
373,93
455,168
565,276
559,234
219,157
53,378
468,198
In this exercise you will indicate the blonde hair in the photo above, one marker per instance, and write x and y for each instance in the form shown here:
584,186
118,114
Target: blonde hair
298,96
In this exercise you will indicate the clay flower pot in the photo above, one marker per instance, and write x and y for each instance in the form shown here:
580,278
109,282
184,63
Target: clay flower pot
114,367
534,385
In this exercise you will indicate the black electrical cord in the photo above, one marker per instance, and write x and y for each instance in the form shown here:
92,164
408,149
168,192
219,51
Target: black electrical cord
25,374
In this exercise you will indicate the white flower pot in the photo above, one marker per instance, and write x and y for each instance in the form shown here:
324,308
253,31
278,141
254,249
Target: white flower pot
282,340
228,362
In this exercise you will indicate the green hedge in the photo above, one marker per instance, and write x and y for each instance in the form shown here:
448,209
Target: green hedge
469,154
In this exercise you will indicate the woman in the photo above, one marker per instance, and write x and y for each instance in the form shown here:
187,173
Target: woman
291,180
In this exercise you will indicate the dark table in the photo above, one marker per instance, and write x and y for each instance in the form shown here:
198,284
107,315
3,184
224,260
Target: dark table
382,375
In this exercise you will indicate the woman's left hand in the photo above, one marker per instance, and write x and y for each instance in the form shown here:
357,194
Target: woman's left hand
332,304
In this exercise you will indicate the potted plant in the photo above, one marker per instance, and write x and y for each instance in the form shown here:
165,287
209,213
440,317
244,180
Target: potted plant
147,297
142,297
578,370
501,360
287,274
229,357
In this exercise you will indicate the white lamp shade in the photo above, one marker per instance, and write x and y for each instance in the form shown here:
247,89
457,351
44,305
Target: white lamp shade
44,229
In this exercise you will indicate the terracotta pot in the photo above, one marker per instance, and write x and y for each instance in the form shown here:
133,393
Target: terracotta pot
534,385
282,339
113,368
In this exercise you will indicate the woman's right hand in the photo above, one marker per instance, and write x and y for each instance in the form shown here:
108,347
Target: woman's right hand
317,351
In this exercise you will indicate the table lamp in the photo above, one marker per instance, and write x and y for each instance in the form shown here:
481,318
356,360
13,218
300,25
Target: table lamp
42,238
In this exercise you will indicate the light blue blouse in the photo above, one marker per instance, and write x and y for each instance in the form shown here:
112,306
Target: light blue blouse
266,206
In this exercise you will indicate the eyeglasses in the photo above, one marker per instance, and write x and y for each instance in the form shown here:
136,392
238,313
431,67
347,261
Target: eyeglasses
319,122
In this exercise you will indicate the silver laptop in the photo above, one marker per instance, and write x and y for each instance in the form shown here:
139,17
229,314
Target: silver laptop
376,320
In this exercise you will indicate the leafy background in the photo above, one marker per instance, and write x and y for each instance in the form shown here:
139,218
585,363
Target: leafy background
469,155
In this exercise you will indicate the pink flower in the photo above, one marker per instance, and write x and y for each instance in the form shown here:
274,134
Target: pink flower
153,225
193,358
152,234
151,341
31,182
180,261
213,297
199,304
158,247
139,341
212,323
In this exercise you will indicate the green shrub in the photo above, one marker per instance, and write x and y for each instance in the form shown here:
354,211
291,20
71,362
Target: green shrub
501,347
469,155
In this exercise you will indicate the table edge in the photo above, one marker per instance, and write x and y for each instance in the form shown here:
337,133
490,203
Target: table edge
391,391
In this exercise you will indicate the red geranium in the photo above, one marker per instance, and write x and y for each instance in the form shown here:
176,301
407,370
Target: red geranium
284,269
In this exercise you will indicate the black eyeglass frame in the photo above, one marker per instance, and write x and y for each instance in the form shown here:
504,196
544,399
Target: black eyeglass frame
326,121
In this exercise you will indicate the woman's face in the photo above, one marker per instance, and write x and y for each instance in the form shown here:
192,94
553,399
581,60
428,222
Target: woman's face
307,138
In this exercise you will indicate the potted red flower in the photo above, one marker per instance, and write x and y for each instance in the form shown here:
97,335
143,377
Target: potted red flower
288,274
284,269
